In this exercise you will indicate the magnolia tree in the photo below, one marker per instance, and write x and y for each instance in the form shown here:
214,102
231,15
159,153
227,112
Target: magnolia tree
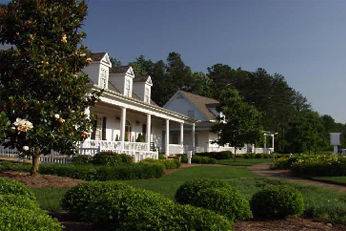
239,123
43,93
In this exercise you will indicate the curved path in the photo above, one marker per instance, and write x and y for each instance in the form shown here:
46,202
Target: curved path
264,170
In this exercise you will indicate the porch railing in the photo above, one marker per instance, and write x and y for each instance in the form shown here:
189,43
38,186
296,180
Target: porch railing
176,149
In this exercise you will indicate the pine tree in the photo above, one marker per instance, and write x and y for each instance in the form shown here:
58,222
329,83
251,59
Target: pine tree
42,90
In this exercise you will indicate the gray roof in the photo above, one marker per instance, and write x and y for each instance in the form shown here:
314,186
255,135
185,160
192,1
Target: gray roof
202,103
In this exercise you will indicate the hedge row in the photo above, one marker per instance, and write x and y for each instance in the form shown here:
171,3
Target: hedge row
125,208
93,172
168,163
104,159
19,209
214,195
199,159
313,165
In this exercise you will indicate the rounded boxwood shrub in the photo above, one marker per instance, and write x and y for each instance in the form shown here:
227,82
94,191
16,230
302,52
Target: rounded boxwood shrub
277,202
19,201
21,219
8,186
77,199
194,218
214,195
111,159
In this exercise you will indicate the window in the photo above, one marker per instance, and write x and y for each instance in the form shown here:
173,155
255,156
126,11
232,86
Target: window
103,78
127,87
147,95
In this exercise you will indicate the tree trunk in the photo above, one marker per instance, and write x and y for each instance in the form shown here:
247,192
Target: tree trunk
35,164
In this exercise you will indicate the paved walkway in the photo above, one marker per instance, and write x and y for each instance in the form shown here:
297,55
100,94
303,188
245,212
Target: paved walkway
264,170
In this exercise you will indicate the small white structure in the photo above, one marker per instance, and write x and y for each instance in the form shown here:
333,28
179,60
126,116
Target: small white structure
203,110
335,140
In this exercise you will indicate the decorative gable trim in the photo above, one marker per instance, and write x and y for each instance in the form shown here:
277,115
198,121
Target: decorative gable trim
106,60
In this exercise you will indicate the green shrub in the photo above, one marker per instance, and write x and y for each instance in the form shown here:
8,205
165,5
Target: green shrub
14,187
168,163
21,219
194,218
216,155
127,208
111,159
14,166
214,195
82,159
77,199
284,162
199,159
93,172
77,171
19,201
277,202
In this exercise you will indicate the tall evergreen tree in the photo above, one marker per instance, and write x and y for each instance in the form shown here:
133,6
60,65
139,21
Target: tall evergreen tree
42,90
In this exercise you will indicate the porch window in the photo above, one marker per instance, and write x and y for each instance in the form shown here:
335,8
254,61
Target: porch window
147,95
99,129
103,78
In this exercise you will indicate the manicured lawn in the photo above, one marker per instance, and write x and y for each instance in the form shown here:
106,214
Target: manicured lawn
319,203
333,179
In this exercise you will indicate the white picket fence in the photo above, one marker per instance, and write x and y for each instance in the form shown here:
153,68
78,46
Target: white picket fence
53,158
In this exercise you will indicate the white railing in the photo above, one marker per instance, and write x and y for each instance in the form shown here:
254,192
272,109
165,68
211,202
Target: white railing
138,150
176,149
220,149
137,146
101,144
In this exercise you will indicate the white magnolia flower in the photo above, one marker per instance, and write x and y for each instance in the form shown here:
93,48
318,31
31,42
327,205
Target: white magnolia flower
23,125
64,38
82,54
57,116
26,148
89,60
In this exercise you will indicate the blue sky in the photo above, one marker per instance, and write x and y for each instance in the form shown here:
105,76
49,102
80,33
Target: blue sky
305,40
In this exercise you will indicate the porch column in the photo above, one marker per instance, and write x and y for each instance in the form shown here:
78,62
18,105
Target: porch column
182,137
265,141
87,113
193,137
167,138
148,135
122,127
273,142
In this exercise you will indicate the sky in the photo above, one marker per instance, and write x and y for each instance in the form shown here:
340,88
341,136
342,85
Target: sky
305,40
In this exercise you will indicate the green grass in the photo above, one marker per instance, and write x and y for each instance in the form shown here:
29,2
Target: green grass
341,180
49,198
319,203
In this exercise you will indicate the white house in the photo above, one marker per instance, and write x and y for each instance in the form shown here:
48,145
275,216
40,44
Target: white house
128,121
203,110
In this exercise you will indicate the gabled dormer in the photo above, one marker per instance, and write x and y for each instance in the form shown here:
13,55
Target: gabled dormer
98,69
142,87
122,79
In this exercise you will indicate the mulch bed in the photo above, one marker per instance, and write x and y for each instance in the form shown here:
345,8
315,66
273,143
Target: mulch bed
290,224
41,181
